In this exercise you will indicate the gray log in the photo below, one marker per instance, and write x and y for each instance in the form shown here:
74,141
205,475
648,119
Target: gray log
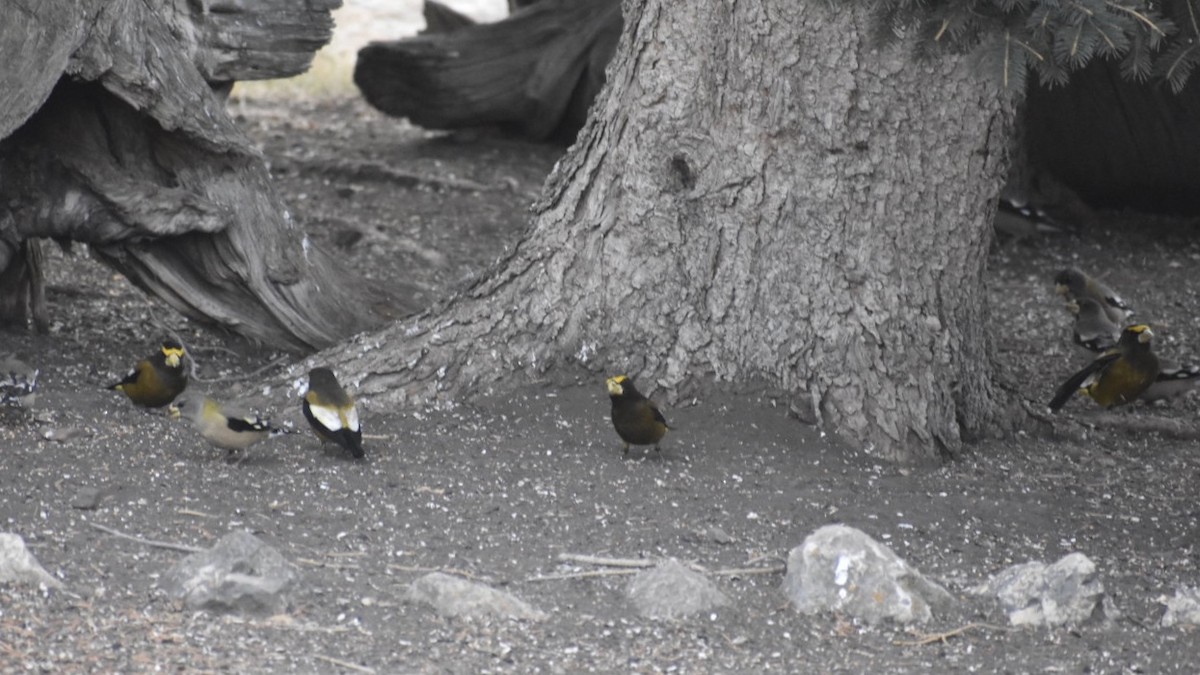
534,73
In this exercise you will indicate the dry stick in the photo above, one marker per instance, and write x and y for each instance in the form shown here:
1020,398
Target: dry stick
942,637
445,570
182,548
331,565
583,575
736,572
1170,428
746,571
343,664
642,564
607,562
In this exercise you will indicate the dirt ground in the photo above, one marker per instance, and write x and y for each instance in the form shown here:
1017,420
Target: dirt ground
496,490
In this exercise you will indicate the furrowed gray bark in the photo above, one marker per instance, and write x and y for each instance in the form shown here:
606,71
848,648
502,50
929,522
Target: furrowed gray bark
761,194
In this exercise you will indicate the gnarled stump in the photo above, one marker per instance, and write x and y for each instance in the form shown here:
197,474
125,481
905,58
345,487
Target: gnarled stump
122,143
534,73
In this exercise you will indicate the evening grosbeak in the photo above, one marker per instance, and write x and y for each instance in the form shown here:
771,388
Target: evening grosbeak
227,427
331,412
1093,330
1074,284
636,418
1119,375
18,383
157,379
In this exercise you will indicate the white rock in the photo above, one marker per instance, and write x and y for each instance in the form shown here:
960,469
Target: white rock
1067,592
454,596
842,569
17,564
671,591
1183,609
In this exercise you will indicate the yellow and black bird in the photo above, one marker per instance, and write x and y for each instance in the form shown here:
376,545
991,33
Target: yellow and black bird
636,418
157,379
331,412
1074,285
1093,330
228,427
1119,375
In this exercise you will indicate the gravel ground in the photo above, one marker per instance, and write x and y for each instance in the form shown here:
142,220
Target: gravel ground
498,489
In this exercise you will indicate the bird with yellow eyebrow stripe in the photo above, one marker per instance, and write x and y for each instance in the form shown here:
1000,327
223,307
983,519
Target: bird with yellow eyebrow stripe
636,418
1119,375
226,426
157,379
331,412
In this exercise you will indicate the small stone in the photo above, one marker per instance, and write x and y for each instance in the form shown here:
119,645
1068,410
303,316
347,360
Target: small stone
718,535
17,564
1067,592
86,498
456,597
842,569
671,591
1183,609
62,434
240,573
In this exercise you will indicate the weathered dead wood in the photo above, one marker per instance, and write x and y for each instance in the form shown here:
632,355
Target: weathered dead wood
1140,425
441,19
535,73
23,288
131,151
258,39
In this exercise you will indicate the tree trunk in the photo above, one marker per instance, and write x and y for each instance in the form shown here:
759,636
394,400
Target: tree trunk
117,139
761,195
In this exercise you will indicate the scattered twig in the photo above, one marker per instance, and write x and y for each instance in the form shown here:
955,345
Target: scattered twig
189,512
1171,428
942,637
734,572
182,548
445,570
247,376
747,571
334,565
607,562
377,437
343,664
584,575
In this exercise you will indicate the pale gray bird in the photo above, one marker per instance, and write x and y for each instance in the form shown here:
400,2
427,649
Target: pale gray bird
1093,330
228,427
1074,285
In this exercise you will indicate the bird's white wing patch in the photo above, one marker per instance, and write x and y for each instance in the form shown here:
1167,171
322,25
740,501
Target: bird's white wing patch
352,419
328,417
